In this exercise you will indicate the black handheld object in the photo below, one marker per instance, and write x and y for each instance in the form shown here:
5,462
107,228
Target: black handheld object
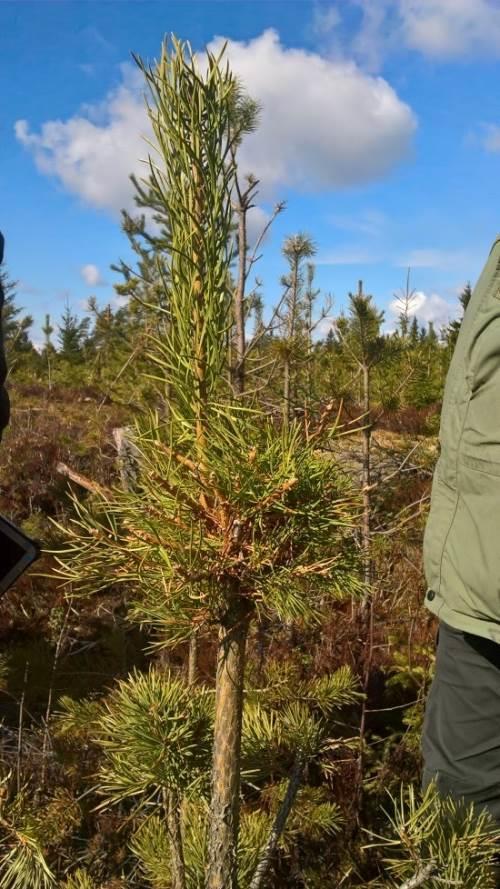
17,552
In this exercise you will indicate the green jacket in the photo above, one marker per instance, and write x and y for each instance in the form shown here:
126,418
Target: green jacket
461,548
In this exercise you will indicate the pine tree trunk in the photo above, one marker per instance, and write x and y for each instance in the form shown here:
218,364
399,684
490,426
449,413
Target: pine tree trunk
177,865
264,866
222,872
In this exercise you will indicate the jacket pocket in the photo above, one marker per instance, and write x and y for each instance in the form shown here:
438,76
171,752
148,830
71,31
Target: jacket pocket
442,510
479,464
471,556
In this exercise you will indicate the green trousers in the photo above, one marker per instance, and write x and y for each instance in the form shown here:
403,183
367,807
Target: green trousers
461,735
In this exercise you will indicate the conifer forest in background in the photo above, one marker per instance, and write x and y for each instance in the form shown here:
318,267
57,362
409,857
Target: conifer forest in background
214,677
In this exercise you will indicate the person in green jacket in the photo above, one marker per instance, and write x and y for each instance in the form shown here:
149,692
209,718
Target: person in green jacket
461,555
4,398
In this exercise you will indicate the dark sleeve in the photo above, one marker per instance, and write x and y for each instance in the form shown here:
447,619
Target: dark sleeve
4,398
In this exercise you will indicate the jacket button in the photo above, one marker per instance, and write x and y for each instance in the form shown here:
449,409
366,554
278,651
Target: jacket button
430,595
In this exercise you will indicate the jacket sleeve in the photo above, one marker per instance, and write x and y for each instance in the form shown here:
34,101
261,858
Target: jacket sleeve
4,398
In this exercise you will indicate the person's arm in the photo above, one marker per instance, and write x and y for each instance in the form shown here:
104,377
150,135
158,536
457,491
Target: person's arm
4,398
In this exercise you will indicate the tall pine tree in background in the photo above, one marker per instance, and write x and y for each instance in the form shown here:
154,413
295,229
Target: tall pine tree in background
364,347
72,336
15,328
293,346
22,358
144,284
47,331
48,354
109,346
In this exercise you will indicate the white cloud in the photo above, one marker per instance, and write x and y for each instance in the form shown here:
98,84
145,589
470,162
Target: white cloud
91,275
433,258
28,289
348,256
377,34
325,326
367,222
491,138
446,28
375,251
428,307
325,124
325,19
93,153
257,220
441,29
87,69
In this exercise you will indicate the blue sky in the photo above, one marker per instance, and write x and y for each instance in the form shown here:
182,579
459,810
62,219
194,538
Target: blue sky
380,130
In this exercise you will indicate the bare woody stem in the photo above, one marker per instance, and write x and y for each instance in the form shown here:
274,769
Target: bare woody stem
421,877
82,480
177,865
222,871
266,860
